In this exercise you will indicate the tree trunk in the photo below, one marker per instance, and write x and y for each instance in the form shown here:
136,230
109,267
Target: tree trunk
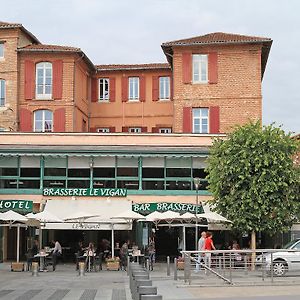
253,248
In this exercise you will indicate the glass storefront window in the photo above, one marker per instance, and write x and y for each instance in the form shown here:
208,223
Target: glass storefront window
78,184
104,172
128,184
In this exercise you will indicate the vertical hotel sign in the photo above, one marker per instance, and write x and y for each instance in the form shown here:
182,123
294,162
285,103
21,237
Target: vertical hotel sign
85,192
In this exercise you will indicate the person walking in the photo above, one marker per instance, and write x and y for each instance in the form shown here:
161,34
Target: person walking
124,256
201,244
57,252
151,253
208,246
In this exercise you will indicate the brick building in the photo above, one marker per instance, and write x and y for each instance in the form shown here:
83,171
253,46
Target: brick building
143,128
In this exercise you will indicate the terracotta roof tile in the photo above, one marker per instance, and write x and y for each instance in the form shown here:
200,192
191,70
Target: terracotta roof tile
49,48
133,67
5,25
217,38
10,25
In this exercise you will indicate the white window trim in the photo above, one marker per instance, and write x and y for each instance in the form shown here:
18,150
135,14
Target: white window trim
3,86
3,50
99,96
200,63
43,121
201,118
165,130
133,97
103,130
134,129
43,96
165,86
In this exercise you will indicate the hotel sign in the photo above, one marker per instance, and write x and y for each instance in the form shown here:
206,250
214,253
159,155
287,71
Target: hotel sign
16,205
85,192
147,208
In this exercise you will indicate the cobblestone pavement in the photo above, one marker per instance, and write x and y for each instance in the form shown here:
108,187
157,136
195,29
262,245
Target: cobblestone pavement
65,284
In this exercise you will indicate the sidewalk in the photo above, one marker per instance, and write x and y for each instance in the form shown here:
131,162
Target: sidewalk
65,284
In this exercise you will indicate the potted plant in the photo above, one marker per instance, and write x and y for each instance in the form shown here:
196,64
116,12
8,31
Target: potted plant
113,263
180,263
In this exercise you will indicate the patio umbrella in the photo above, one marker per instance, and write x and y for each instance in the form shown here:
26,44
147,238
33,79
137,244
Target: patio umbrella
170,216
80,216
213,217
128,215
187,216
44,217
11,217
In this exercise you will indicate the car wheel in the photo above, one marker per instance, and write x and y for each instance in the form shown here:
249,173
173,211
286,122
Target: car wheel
279,268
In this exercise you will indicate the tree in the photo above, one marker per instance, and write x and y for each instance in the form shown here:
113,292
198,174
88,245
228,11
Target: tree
253,179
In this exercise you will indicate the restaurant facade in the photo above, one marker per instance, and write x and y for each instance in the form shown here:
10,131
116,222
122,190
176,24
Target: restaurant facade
137,134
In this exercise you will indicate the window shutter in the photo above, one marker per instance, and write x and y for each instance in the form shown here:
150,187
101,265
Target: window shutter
112,129
95,87
213,67
155,88
155,129
142,88
125,129
187,120
214,119
60,120
25,120
57,79
186,67
124,89
29,80
171,88
112,89
143,129
93,129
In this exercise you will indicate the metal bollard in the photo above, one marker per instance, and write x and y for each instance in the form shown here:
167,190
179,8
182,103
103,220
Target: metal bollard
168,266
35,269
81,269
175,268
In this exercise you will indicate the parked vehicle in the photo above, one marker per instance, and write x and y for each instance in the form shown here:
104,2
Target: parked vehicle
283,261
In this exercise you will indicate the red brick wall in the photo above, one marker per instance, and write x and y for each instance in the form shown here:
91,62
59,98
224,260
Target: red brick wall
237,92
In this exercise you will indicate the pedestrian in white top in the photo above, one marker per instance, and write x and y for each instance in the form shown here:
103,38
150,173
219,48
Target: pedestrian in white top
201,244
57,251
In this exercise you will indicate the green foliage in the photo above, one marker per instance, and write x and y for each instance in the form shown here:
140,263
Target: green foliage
253,179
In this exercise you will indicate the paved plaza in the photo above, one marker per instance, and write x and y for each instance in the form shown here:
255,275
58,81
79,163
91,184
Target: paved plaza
65,284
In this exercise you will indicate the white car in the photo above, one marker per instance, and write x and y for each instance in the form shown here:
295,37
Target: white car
283,261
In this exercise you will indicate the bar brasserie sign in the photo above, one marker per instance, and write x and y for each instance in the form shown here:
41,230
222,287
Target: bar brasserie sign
85,192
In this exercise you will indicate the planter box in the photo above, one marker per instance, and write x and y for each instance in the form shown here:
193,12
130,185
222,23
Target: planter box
113,265
180,265
17,267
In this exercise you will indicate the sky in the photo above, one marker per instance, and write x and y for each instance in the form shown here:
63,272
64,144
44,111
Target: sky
131,31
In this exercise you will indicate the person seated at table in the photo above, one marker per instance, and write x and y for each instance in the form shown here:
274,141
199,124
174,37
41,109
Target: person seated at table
31,253
79,251
57,252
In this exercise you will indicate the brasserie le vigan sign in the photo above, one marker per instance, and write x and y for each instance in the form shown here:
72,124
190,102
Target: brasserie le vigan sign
85,192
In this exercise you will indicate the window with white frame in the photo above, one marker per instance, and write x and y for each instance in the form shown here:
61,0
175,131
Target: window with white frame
200,120
103,129
103,89
165,130
43,121
1,50
134,88
134,129
164,88
2,92
200,68
44,80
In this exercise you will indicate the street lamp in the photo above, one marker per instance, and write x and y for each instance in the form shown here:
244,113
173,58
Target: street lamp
197,185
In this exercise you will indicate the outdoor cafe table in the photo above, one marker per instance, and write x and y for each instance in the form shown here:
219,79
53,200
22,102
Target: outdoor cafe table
89,256
42,256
